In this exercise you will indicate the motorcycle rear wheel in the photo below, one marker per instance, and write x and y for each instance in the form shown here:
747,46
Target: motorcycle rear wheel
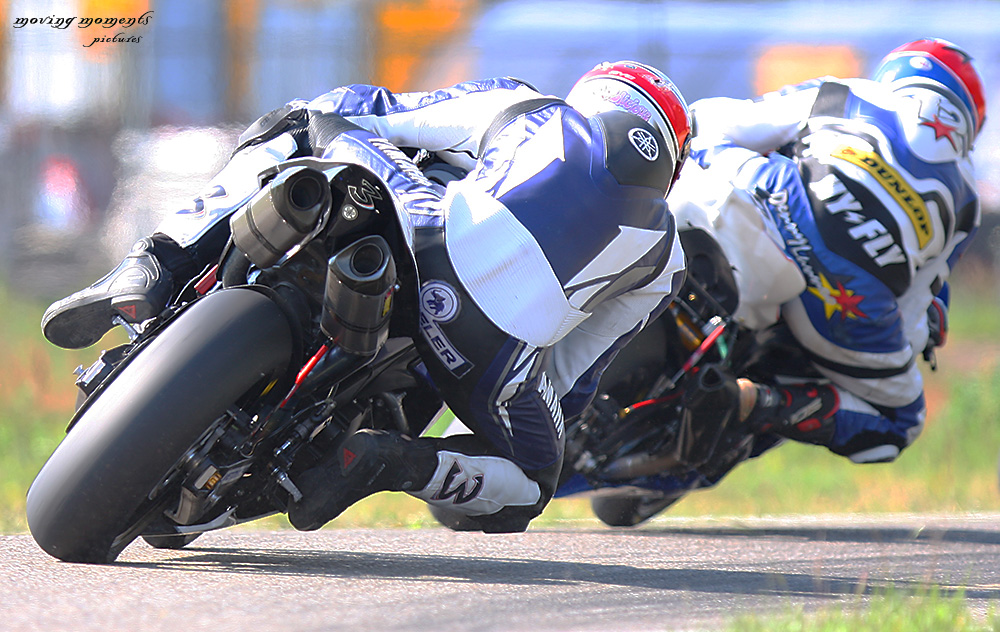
93,495
628,509
178,541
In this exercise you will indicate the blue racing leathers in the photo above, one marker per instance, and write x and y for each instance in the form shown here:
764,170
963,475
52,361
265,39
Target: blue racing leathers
533,270
873,194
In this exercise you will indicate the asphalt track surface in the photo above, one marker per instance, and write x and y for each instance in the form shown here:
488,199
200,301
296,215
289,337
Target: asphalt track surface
673,574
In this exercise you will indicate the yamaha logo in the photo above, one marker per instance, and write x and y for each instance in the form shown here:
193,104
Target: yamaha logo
439,301
645,143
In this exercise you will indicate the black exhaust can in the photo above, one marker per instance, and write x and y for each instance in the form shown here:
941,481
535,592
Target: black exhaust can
360,283
281,215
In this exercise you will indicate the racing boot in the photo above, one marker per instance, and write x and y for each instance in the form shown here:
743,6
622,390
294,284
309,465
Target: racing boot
136,290
801,412
369,461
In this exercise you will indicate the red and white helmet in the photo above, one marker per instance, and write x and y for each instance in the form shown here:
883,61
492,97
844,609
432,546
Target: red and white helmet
641,90
939,64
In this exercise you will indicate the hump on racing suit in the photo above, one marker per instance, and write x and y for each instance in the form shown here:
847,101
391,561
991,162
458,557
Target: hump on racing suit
873,193
570,210
533,270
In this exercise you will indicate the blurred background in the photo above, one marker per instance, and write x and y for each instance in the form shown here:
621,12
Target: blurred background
100,140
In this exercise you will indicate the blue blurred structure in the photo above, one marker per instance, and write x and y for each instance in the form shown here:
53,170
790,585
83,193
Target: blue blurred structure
186,57
84,130
731,48
296,50
93,137
708,48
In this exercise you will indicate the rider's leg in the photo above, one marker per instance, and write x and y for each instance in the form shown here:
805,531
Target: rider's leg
504,474
142,284
136,290
803,412
461,473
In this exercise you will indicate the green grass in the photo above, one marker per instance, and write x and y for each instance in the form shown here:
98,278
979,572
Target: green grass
887,611
37,396
976,287
952,467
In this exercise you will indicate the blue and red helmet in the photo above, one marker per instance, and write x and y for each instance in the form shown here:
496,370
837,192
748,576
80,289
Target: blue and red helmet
937,63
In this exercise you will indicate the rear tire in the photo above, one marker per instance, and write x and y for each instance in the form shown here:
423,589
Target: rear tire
178,541
91,497
454,520
628,509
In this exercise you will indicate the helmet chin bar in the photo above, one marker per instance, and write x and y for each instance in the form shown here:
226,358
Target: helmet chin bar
937,114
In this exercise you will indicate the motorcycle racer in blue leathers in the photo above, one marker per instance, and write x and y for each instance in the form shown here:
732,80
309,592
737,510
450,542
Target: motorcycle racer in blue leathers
868,188
531,271
871,185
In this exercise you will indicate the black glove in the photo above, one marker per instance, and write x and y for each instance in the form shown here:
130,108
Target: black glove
937,325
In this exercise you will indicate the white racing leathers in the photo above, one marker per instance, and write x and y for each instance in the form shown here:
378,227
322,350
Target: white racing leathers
533,270
874,198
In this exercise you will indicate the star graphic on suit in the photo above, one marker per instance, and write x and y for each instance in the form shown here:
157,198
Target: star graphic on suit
839,299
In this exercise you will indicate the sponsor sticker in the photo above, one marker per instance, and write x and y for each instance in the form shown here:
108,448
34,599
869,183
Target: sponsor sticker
439,300
439,304
896,186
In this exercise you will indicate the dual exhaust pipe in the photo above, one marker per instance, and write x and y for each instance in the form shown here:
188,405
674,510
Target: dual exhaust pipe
360,278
